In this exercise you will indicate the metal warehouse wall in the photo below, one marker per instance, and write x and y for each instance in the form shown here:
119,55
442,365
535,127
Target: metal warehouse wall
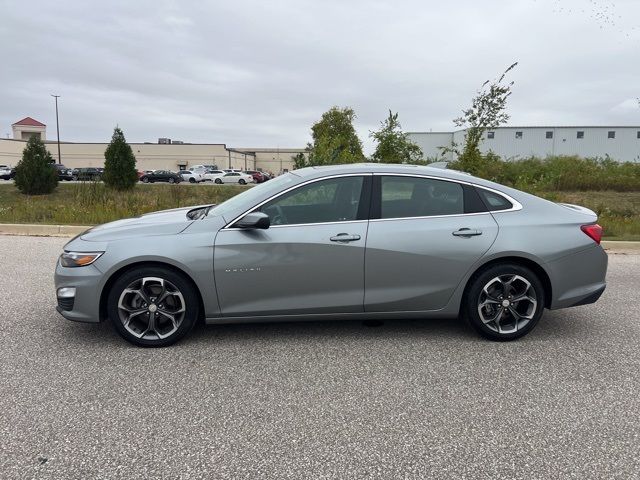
595,143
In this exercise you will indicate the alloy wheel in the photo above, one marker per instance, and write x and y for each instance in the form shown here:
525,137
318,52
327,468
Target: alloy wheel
507,303
151,308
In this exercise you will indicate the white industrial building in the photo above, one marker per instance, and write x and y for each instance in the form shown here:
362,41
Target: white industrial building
512,143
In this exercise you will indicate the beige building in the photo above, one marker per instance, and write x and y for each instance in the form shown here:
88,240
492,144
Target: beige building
151,156
27,128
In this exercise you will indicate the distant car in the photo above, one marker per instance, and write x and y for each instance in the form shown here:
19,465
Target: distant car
235,177
257,176
204,167
191,176
210,175
64,173
88,173
161,176
6,172
229,170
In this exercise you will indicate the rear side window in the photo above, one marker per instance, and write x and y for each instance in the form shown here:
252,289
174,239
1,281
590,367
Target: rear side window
403,197
493,201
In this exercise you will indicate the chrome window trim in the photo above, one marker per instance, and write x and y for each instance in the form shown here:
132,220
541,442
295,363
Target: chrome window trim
516,205
273,197
394,219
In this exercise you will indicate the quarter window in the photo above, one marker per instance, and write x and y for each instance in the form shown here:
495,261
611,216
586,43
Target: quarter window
403,197
331,200
493,201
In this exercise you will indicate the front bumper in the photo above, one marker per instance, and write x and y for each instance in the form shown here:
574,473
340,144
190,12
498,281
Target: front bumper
87,281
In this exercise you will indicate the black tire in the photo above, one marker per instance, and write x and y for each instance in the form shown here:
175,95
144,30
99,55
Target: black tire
475,296
192,180
145,180
183,285
218,181
242,181
172,180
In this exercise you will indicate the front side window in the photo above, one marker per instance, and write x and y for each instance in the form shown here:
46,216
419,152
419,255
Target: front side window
403,197
331,200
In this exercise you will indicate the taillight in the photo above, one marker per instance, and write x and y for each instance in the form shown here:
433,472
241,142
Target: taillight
594,231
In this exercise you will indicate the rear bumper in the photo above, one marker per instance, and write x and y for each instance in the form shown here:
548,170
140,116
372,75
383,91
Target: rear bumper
579,278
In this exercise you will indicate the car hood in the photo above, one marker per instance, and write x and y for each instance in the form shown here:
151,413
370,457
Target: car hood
165,222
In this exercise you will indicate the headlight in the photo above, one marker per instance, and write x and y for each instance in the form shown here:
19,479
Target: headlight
78,259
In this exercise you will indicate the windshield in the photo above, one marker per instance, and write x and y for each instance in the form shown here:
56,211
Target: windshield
251,195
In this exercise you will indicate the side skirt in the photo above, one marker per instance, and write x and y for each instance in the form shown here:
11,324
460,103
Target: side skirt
321,317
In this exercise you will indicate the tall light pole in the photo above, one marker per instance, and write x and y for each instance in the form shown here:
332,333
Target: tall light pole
58,127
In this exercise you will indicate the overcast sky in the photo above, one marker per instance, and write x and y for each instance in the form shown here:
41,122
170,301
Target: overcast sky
259,73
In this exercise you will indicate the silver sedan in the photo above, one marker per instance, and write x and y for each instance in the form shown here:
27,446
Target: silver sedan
342,242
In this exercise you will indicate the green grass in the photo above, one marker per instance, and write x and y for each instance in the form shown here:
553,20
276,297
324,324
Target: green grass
92,203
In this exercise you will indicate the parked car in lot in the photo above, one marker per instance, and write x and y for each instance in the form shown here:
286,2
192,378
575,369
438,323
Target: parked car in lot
191,176
64,173
341,242
161,176
234,177
210,175
258,177
87,173
6,172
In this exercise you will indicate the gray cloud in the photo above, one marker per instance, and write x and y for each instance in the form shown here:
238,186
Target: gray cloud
255,73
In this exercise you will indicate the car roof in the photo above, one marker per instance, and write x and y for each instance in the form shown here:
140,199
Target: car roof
320,171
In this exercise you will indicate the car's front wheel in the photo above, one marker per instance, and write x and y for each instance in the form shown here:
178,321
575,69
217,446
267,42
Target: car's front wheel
172,180
504,302
218,181
152,306
242,181
192,180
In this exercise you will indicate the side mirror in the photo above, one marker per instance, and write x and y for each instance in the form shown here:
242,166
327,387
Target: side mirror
254,220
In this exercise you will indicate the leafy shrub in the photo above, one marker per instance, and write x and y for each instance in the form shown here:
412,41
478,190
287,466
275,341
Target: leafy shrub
35,173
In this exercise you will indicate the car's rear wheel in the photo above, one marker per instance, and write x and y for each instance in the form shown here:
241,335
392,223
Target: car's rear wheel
218,181
145,180
152,306
504,302
192,180
172,180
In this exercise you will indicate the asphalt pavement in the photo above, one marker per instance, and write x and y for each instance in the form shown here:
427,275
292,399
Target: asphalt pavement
408,399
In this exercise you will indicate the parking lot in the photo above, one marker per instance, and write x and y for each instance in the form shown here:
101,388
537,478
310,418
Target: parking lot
408,399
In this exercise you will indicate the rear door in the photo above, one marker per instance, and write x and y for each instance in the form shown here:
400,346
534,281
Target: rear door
424,235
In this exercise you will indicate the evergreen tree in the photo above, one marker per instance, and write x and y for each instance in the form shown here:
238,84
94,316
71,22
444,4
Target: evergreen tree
120,163
35,173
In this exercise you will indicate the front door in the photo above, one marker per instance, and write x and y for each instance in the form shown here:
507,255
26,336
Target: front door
311,259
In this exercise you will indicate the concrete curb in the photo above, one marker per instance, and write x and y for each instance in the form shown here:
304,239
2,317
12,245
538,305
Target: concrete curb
42,230
73,230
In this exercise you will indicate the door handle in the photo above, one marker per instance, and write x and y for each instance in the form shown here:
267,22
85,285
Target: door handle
344,238
467,232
